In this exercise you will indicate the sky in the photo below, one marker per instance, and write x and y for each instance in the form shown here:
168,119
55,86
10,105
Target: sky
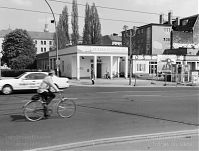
140,12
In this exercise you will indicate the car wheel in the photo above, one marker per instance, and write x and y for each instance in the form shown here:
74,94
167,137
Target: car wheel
7,89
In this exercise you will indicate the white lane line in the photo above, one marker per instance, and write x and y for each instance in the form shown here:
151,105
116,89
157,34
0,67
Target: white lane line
141,95
134,138
128,91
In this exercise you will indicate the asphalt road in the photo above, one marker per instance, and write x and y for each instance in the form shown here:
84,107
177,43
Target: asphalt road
101,113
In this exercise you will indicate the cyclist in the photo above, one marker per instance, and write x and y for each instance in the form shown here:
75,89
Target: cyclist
44,90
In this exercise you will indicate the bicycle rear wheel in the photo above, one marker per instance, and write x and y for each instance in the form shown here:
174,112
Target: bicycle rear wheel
66,108
34,110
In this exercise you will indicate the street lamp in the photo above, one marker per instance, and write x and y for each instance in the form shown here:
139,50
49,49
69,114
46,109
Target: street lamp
57,59
0,62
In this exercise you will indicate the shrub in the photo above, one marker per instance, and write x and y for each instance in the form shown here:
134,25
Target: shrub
14,73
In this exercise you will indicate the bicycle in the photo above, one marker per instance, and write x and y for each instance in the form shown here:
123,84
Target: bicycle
34,109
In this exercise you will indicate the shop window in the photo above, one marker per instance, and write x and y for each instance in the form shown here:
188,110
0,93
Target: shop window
141,67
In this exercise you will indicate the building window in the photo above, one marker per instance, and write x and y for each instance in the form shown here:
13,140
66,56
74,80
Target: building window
152,67
50,42
41,49
35,41
141,67
167,29
166,39
44,49
51,63
54,63
62,65
41,42
44,42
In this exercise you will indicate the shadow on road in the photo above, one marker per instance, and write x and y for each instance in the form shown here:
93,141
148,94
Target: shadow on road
18,118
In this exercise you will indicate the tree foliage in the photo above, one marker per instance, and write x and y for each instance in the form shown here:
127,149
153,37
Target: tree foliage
95,26
19,51
87,26
62,30
74,22
92,26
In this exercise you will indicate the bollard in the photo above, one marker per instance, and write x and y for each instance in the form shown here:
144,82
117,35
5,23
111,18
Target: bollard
165,80
135,81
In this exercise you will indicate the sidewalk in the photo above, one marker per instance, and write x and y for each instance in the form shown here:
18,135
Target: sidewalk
169,141
122,82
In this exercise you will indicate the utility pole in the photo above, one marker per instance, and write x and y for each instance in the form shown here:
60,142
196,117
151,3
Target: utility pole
57,59
131,58
0,61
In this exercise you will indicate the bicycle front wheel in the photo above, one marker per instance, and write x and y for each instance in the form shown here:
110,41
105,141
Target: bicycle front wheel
34,110
66,108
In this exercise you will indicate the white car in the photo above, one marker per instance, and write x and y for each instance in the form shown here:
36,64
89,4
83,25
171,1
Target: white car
29,81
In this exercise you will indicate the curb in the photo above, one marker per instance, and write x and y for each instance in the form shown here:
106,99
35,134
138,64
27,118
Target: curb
135,138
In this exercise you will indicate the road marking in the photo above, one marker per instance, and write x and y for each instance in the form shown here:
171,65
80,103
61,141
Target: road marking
128,91
142,95
134,138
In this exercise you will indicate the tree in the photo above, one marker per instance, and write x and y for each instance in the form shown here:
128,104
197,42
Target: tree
95,26
74,22
19,51
87,25
92,27
62,30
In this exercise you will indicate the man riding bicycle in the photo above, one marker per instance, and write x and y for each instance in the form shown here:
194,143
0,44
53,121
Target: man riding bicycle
44,90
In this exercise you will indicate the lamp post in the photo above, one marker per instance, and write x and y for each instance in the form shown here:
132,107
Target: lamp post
131,57
57,59
0,62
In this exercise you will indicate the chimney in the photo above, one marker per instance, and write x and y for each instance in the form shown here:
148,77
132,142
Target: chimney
46,28
177,21
161,18
170,14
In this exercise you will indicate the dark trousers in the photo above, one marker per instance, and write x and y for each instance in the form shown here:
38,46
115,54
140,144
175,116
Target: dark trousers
47,97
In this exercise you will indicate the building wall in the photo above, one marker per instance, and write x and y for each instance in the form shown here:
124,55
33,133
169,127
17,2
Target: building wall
43,45
182,37
196,32
66,65
160,39
116,43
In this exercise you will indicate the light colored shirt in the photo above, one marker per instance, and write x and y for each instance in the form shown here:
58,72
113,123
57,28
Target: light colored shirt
46,84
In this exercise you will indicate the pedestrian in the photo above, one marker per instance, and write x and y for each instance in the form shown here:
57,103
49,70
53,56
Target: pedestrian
92,77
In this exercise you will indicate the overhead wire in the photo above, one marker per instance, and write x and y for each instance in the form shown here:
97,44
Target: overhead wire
112,8
43,12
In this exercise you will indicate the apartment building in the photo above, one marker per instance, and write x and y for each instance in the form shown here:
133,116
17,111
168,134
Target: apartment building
43,40
150,39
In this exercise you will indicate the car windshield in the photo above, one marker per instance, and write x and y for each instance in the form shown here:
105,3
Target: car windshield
20,76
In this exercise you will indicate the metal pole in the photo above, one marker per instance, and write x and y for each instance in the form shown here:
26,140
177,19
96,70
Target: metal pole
0,60
0,66
57,59
130,53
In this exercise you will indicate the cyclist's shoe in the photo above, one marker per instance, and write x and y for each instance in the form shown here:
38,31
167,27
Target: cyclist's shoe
46,116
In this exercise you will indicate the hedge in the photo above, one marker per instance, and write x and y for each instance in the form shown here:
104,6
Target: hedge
14,73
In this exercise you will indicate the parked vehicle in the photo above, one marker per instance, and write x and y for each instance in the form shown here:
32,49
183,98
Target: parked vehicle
29,81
